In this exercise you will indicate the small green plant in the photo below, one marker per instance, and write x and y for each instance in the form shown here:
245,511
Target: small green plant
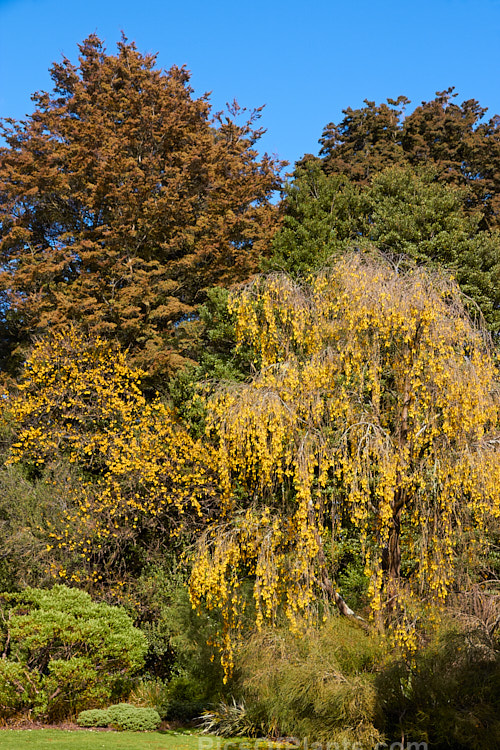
228,720
121,716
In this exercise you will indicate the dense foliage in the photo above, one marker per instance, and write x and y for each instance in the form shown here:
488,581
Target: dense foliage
138,476
453,138
402,211
376,404
233,457
122,716
62,652
123,200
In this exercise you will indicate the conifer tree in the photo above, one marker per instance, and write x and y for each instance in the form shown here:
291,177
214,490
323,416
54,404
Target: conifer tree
123,199
452,138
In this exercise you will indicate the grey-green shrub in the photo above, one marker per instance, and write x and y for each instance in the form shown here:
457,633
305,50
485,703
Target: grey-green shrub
122,716
64,652
93,717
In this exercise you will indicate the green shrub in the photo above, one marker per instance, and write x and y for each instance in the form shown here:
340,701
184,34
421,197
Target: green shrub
319,685
179,655
124,716
121,716
93,717
18,688
66,652
449,696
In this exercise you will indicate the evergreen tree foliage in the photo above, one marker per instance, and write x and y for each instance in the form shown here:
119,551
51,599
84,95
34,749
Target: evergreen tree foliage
454,139
403,211
63,652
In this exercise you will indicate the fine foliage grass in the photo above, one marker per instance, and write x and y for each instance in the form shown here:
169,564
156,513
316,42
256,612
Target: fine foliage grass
318,684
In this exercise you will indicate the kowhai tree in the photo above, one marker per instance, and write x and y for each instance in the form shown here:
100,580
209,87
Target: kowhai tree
136,481
123,199
376,404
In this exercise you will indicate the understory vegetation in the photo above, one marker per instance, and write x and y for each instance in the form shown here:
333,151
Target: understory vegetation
269,507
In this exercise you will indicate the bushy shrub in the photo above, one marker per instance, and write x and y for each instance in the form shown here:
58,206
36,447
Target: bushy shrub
319,685
449,695
18,688
64,652
121,716
93,717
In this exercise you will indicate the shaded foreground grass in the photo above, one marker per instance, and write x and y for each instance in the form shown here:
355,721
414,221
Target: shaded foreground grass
61,739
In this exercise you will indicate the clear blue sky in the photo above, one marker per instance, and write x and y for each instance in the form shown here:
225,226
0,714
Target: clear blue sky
304,61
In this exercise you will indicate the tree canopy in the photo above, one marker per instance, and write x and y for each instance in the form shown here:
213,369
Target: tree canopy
402,210
453,138
123,199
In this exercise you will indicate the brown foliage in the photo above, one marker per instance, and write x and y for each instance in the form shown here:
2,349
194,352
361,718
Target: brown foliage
123,199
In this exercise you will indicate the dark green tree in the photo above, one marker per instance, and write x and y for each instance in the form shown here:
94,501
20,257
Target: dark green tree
452,138
402,212
322,215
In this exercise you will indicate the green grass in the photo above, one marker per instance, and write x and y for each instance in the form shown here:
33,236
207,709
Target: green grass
60,739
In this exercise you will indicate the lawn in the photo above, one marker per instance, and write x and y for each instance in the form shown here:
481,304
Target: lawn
60,739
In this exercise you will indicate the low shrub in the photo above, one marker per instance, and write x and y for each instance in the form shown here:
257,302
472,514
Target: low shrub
93,717
449,694
121,716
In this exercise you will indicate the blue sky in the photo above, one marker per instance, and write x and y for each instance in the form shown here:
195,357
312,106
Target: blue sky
305,62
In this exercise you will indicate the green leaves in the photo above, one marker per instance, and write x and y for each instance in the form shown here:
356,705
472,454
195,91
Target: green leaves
65,651
402,211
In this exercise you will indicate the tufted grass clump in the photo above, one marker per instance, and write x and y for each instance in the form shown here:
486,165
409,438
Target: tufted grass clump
318,684
228,719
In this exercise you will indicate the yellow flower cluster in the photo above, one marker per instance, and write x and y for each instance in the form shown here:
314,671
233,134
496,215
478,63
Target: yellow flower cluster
136,469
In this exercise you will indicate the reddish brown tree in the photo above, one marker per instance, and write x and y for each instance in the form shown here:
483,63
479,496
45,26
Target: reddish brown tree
123,199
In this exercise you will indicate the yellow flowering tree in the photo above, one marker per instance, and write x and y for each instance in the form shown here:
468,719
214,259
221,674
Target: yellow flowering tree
376,403
137,476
